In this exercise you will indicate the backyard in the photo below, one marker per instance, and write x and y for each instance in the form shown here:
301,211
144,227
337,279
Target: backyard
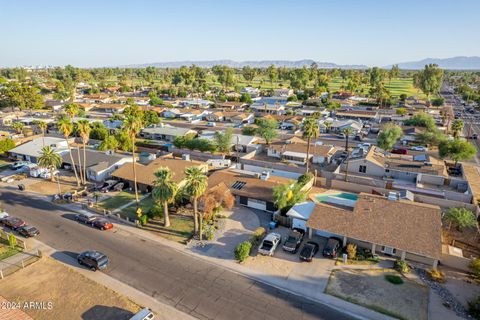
369,288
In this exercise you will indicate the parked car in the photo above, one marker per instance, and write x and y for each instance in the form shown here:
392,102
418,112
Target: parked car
119,186
400,151
419,148
102,224
108,185
211,124
144,314
308,251
26,168
47,174
85,217
19,164
332,248
28,231
13,222
94,260
269,244
37,171
3,215
293,240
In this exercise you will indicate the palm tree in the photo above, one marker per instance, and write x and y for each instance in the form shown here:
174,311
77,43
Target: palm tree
84,131
310,129
49,159
195,187
132,125
42,125
164,191
18,127
71,109
346,132
65,125
328,125
457,127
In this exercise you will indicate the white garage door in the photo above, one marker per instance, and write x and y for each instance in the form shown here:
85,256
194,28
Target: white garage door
299,224
257,204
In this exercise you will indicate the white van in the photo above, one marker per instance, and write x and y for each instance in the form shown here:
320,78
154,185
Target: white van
144,314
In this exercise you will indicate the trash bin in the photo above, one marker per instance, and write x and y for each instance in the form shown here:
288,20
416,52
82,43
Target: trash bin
272,225
21,187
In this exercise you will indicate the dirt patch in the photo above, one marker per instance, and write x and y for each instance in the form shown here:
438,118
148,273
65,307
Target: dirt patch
468,240
370,289
72,295
47,187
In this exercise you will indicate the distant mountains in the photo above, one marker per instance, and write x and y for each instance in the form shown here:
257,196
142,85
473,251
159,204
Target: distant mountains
455,63
241,64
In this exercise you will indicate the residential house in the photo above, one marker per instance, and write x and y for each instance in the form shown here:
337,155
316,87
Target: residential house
295,151
282,92
191,115
239,142
239,117
100,164
109,108
86,106
6,119
54,105
369,115
250,189
31,151
166,132
410,134
146,172
287,122
142,101
392,226
253,92
215,116
96,98
195,103
300,213
269,105
171,113
231,105
337,126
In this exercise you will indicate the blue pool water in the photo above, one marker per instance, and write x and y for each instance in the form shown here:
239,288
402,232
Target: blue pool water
343,195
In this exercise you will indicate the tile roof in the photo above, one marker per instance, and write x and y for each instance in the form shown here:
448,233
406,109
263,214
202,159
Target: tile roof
315,149
401,224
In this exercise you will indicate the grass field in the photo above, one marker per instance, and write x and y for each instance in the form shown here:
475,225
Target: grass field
6,251
122,198
131,211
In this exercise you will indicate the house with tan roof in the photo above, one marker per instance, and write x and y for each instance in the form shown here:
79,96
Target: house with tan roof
231,105
371,115
109,107
388,225
97,98
215,116
239,117
294,150
146,172
253,190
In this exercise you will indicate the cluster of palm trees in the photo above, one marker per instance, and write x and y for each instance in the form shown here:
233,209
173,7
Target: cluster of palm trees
165,191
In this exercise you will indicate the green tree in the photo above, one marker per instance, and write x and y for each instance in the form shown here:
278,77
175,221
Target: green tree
12,240
65,126
457,150
18,127
429,80
457,127
99,131
286,196
71,109
310,130
42,125
224,140
267,129
150,117
401,111
6,145
195,186
84,130
132,127
20,95
249,131
49,159
272,74
164,191
431,137
421,119
460,218
109,143
389,136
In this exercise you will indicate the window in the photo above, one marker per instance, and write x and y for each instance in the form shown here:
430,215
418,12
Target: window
362,169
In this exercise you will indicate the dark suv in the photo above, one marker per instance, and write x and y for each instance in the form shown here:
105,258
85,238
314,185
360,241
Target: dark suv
332,248
293,240
94,260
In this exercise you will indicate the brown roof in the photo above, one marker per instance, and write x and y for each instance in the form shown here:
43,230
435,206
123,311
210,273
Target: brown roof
96,96
254,187
7,313
110,106
317,150
357,113
401,224
145,173
472,174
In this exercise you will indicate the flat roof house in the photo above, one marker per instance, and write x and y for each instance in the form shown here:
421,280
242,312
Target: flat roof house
100,164
250,189
166,133
295,151
31,151
146,173
400,228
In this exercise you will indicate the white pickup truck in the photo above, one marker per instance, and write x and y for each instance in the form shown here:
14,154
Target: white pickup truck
269,244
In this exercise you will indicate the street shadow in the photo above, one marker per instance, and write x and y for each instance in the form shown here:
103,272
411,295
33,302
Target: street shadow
67,257
100,312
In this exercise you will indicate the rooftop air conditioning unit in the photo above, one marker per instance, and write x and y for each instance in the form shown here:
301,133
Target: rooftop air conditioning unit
186,157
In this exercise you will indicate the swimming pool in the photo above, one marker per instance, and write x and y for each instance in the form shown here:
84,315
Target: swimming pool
343,195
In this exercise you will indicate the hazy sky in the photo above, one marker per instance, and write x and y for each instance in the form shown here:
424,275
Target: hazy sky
108,32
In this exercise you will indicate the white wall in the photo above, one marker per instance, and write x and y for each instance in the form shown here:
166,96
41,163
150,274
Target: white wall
274,172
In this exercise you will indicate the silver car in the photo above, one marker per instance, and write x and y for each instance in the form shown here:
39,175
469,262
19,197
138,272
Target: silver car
269,244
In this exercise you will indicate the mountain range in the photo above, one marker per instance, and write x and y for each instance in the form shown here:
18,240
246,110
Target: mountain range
455,63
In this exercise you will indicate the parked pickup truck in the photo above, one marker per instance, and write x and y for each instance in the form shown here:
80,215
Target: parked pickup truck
269,244
293,241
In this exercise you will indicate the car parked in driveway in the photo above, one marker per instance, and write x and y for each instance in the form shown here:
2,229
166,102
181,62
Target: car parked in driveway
13,222
28,231
94,260
86,217
269,244
102,224
332,248
419,148
308,251
293,240
108,185
19,164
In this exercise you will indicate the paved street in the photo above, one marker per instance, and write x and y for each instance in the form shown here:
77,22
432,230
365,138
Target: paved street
189,284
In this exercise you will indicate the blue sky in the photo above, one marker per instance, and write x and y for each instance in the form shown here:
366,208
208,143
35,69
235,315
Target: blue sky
108,32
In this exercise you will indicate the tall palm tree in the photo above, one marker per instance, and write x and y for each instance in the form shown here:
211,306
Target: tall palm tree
346,132
457,127
164,191
195,187
328,125
49,159
132,125
84,132
42,125
310,129
65,125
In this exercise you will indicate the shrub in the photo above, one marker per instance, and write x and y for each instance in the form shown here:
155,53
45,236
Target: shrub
436,275
242,250
402,266
208,231
12,240
475,267
305,178
258,234
392,278
155,211
144,219
474,307
351,251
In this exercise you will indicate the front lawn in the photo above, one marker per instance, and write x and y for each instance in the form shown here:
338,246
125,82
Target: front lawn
131,210
180,230
408,300
121,199
6,251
